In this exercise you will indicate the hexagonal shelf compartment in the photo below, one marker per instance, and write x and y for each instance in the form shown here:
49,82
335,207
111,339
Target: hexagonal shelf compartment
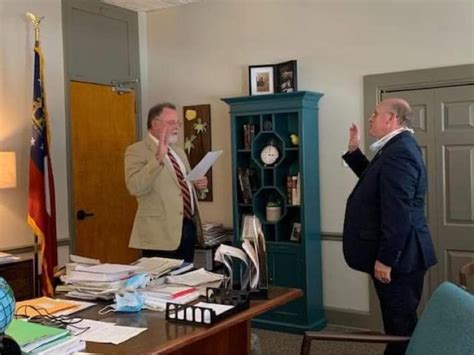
264,140
262,199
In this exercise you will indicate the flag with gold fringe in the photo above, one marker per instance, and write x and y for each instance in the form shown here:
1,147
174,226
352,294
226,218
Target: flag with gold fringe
41,198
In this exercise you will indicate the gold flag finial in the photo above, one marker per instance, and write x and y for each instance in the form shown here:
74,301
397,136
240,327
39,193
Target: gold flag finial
35,20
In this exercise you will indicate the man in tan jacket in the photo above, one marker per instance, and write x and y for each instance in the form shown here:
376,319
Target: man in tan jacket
167,222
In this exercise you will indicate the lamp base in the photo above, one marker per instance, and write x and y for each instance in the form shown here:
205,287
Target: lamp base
8,346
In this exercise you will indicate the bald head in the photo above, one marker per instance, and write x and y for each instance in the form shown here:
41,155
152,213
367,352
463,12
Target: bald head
401,108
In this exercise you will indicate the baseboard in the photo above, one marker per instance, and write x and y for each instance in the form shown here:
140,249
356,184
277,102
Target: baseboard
287,327
348,318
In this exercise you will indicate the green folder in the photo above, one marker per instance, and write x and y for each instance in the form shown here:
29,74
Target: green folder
31,335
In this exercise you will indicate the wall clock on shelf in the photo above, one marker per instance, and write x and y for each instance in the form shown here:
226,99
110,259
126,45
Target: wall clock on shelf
269,154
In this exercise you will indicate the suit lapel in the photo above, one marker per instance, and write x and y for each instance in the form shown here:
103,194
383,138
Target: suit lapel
377,156
152,147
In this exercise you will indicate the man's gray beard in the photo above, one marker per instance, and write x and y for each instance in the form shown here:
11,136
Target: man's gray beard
173,139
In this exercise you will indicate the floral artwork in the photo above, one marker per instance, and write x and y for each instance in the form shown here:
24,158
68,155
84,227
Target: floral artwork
188,144
200,127
197,140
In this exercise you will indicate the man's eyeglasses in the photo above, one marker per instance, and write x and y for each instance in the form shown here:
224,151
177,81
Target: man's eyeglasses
375,113
172,123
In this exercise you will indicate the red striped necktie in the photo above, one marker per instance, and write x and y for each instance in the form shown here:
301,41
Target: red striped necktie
184,186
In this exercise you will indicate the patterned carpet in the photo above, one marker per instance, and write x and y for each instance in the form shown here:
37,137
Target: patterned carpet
276,343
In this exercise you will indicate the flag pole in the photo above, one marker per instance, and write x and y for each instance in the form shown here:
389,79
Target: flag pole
36,20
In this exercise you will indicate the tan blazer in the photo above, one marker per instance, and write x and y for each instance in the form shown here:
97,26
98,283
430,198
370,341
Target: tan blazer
159,218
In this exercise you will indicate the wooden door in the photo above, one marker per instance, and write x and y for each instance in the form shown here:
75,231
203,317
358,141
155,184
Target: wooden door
102,126
422,104
444,128
454,117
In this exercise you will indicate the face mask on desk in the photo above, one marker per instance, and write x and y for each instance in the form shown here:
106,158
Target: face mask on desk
125,302
137,281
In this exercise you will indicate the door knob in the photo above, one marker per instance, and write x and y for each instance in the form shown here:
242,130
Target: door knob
81,214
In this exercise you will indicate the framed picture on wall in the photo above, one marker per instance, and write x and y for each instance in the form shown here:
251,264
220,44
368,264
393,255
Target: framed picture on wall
261,79
286,77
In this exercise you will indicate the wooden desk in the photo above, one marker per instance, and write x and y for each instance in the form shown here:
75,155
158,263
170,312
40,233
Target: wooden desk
229,336
20,276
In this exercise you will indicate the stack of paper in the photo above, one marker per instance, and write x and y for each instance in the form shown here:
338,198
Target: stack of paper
195,278
252,257
157,267
157,297
214,234
67,345
99,281
31,336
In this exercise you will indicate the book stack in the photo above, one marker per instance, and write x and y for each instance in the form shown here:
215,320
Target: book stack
156,298
249,135
247,183
293,187
39,339
99,281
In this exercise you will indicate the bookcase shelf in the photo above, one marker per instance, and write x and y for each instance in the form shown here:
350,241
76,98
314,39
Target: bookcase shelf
257,121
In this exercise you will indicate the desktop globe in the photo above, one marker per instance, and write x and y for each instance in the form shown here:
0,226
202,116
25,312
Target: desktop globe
7,305
7,310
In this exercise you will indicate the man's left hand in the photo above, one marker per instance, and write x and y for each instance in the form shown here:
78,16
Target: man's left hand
382,272
200,183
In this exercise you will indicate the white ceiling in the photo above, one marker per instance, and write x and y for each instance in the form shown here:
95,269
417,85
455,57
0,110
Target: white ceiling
148,5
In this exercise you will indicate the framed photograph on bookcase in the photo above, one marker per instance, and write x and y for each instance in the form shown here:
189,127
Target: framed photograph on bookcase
261,79
296,232
286,77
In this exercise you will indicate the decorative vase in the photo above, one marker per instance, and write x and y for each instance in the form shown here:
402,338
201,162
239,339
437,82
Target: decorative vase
273,213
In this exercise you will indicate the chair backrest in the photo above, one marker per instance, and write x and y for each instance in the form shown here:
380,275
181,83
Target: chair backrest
446,325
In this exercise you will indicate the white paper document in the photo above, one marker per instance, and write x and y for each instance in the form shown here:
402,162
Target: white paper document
109,268
104,332
204,165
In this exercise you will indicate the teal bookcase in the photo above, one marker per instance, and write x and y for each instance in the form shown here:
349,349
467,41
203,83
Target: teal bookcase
297,264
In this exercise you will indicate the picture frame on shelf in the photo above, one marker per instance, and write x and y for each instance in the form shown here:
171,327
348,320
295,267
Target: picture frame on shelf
286,76
261,79
295,232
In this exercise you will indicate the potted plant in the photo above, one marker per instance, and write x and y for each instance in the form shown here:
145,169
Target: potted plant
273,210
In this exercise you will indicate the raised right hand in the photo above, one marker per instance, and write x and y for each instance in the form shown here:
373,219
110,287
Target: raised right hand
162,149
354,138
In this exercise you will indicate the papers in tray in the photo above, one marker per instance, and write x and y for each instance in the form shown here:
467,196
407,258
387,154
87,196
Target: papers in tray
253,257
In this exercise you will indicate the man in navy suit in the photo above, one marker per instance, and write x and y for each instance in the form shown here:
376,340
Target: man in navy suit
385,229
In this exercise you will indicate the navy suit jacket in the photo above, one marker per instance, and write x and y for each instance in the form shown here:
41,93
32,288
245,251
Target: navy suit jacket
385,217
